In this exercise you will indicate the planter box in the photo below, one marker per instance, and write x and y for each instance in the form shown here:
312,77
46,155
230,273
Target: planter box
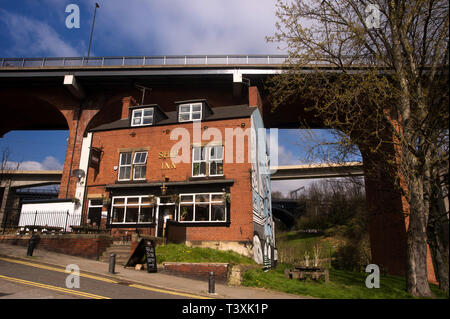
197,270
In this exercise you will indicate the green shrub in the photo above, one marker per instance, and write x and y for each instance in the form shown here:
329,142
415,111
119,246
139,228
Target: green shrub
353,256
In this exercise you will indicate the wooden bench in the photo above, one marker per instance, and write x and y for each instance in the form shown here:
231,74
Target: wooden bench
303,273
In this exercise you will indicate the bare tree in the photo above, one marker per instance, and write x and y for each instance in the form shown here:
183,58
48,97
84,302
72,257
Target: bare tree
379,74
6,166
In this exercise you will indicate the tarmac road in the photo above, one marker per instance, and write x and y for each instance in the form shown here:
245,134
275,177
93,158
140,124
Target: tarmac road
30,280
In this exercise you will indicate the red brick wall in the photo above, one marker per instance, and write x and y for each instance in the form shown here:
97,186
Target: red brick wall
89,246
198,270
240,209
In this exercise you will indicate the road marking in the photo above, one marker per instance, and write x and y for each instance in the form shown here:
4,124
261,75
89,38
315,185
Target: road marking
102,279
59,289
57,269
169,292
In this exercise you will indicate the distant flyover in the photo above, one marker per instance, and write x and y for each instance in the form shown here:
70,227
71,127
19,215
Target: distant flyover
19,178
310,171
10,180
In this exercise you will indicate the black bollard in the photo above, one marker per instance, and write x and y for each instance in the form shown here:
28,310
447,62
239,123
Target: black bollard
112,263
32,244
211,283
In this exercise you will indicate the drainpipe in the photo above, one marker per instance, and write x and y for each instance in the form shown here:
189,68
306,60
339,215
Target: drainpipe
86,181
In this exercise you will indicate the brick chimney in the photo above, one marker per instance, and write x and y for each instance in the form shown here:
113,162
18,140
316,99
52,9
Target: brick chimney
126,103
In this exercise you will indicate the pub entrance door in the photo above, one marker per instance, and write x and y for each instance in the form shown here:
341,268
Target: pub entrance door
166,211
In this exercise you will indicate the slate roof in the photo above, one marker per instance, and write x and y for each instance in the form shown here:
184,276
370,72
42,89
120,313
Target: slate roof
220,113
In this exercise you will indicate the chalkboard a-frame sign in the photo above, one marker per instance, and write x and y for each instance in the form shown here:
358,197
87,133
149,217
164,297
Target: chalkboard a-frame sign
145,247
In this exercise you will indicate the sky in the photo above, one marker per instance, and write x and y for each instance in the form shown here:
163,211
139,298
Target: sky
33,28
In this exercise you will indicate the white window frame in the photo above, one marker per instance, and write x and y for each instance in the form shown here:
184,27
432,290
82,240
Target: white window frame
140,164
90,205
141,118
207,160
124,165
209,205
125,205
190,112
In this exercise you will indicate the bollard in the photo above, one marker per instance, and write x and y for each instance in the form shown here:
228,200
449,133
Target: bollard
32,244
112,263
211,283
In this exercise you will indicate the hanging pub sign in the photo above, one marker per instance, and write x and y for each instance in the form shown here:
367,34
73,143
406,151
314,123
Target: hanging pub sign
95,157
145,248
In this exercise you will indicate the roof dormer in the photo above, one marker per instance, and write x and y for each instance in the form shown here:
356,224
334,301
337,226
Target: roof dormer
145,115
193,110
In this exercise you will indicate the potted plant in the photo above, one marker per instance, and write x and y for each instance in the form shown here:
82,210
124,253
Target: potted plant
106,201
76,201
175,198
183,213
226,197
152,199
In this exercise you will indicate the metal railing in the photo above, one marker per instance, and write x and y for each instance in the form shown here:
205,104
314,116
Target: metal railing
14,220
135,61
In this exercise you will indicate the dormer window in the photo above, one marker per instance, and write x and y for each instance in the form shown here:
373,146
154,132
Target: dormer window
142,117
190,112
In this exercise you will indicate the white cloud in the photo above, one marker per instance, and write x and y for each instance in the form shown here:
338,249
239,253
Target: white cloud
188,27
34,37
50,163
286,157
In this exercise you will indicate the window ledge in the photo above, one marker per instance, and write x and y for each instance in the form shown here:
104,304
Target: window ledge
130,181
206,178
200,224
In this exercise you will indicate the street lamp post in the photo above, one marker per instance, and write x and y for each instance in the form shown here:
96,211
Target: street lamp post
92,31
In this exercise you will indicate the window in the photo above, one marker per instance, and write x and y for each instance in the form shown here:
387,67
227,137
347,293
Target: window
142,117
124,166
207,161
199,161
215,160
190,112
207,207
137,166
95,212
132,209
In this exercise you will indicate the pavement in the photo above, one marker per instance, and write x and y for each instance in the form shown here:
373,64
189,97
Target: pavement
157,280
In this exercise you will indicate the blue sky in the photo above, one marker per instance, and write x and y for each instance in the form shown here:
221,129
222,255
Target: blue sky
33,28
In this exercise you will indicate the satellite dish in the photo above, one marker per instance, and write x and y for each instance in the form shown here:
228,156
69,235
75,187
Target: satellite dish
78,173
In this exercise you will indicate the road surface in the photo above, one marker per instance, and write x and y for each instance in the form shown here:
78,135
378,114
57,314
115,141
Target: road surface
23,279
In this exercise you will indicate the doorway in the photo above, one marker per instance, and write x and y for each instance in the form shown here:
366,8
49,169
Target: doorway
166,211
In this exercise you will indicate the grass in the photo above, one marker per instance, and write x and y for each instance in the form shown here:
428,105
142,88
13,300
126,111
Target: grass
342,285
183,253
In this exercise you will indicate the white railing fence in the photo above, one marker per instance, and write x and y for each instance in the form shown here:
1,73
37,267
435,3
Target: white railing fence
63,219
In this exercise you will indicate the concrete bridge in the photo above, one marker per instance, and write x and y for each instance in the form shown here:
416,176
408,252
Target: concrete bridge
12,180
310,171
77,94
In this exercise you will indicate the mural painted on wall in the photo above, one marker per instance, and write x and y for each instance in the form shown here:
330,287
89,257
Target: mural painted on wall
264,232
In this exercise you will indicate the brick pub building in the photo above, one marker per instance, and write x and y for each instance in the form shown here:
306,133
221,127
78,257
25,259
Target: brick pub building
198,175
